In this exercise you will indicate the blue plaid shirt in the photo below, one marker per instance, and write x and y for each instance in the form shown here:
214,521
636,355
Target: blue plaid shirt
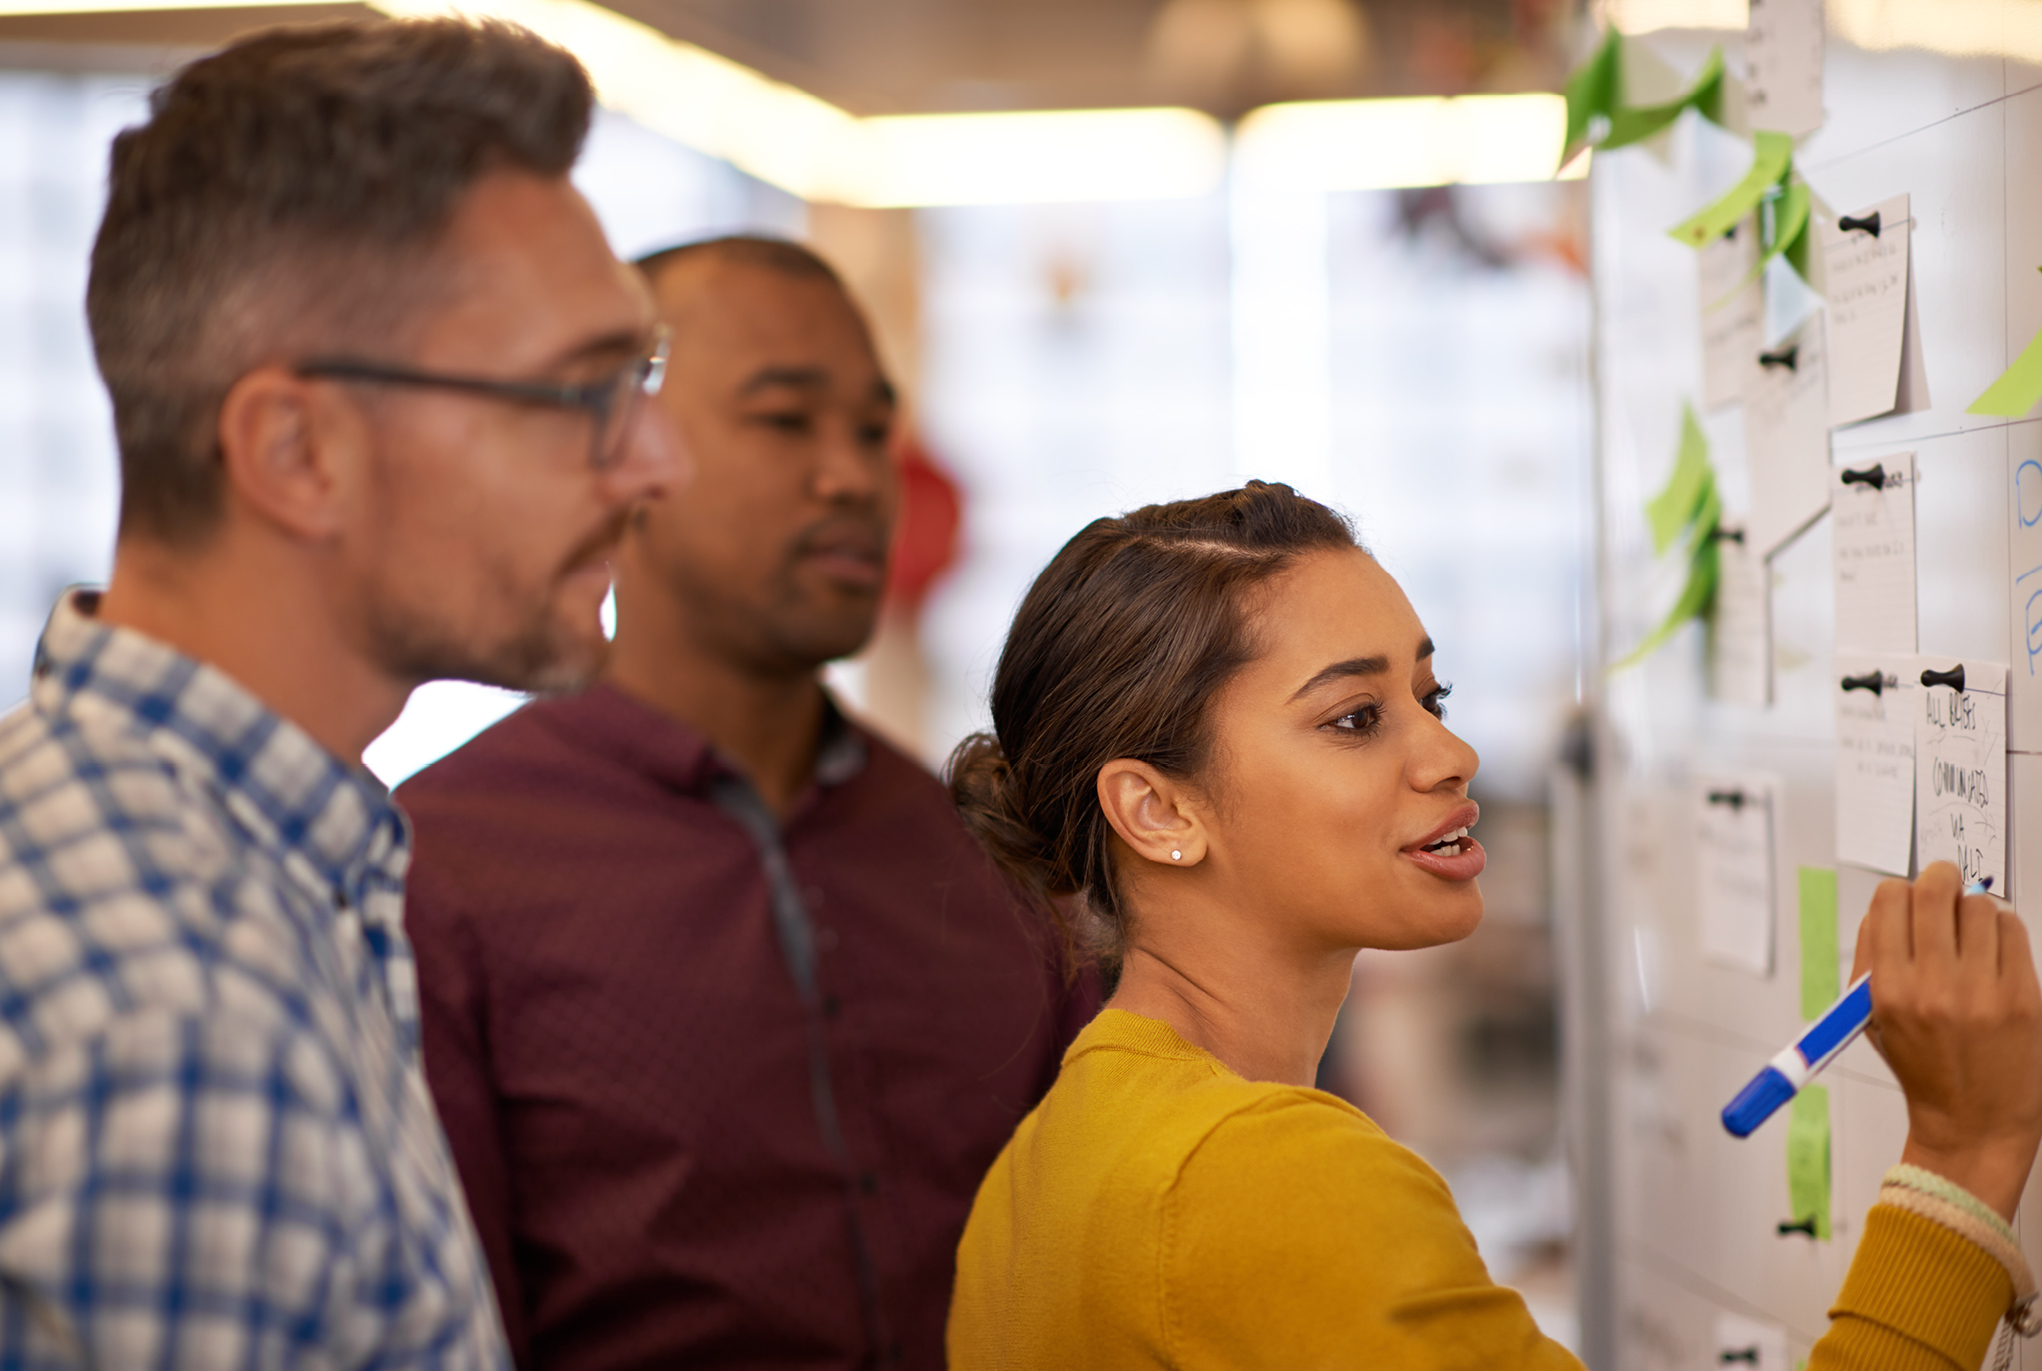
216,1148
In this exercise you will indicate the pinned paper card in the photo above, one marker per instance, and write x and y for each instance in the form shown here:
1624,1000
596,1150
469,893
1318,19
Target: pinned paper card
1733,305
1783,65
1808,1164
1960,767
1877,698
1734,841
1742,1342
1866,257
1741,623
1786,437
1871,510
1821,973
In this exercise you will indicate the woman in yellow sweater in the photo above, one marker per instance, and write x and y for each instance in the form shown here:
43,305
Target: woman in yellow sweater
1217,725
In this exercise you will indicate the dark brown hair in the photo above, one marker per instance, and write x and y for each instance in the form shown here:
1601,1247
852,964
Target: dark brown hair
284,194
1117,651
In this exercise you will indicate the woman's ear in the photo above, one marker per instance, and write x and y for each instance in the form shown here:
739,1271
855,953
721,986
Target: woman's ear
1153,814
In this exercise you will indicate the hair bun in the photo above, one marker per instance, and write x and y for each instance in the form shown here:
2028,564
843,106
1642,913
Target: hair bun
990,800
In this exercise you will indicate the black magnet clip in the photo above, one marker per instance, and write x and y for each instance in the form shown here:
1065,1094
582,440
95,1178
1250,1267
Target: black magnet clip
1869,223
1872,477
1806,1226
1871,681
1953,678
1785,357
1748,1355
1720,534
1733,798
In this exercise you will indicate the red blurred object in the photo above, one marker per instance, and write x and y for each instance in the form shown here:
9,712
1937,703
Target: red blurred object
925,542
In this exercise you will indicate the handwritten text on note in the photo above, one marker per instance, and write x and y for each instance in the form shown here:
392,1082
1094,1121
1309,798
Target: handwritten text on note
1786,437
1867,267
1871,506
1960,767
1783,64
1734,840
1877,697
1733,307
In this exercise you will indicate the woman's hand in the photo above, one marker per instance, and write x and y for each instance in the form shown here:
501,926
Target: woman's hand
1957,1014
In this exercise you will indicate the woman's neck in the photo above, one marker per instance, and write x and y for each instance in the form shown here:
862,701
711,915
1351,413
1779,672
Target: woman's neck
1265,1012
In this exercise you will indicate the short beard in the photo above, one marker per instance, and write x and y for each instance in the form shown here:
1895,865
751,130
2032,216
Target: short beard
538,658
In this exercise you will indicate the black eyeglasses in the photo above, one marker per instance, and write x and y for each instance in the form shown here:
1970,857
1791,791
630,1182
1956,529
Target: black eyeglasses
610,403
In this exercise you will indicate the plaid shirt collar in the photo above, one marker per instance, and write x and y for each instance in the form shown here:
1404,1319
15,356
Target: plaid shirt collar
333,826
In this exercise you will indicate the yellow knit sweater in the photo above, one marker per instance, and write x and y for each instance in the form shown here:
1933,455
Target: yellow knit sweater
1157,1210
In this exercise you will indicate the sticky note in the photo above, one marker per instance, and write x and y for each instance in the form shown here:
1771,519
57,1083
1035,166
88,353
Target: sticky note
1675,507
2017,389
1773,155
1960,767
1741,626
1734,850
1821,977
1876,701
1783,50
1867,281
1871,505
1786,437
1808,1158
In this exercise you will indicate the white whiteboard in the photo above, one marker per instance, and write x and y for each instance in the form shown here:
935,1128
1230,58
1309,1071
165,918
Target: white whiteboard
1695,1212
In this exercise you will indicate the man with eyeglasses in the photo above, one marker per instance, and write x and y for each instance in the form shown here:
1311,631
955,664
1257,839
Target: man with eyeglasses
725,1012
376,383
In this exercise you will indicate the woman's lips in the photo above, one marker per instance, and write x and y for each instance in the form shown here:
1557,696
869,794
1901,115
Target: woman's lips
1463,867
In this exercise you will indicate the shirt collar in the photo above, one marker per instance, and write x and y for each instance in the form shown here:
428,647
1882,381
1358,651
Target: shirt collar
672,752
291,793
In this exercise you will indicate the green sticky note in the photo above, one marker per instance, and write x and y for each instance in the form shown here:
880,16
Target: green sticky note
1633,123
2017,390
1591,90
1821,982
1772,158
1695,598
1808,1158
1675,507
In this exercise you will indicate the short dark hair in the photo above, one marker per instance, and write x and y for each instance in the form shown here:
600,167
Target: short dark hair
783,255
1117,651
280,195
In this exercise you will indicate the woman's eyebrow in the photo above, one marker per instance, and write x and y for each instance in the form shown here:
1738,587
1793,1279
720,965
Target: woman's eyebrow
1356,666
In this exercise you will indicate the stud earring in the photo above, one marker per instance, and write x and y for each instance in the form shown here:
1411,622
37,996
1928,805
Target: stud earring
1176,856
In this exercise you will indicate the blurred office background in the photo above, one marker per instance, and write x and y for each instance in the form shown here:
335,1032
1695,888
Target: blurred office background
1408,348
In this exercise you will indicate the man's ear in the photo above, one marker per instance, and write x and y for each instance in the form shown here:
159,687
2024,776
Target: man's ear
1154,815
283,442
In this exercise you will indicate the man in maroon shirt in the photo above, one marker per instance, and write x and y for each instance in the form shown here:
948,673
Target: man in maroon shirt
725,1014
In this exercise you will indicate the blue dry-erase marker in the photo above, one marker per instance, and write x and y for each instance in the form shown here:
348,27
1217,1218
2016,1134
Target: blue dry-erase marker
1782,1078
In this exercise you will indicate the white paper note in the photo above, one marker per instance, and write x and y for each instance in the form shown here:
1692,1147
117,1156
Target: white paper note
1871,510
1732,311
1741,624
1786,437
1745,1343
1867,309
1783,65
1960,767
1876,701
1734,841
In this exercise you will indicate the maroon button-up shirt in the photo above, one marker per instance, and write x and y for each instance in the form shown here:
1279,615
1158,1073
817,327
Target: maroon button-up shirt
721,1089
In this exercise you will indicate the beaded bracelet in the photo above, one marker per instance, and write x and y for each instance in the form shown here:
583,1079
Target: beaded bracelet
1942,1201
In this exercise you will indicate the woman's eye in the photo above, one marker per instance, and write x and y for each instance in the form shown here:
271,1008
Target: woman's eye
1435,701
1361,720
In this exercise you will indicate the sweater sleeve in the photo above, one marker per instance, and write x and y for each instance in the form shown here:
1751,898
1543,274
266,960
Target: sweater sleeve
1299,1235
1918,1298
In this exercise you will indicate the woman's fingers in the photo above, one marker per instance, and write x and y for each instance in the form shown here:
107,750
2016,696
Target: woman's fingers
1935,923
1978,933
